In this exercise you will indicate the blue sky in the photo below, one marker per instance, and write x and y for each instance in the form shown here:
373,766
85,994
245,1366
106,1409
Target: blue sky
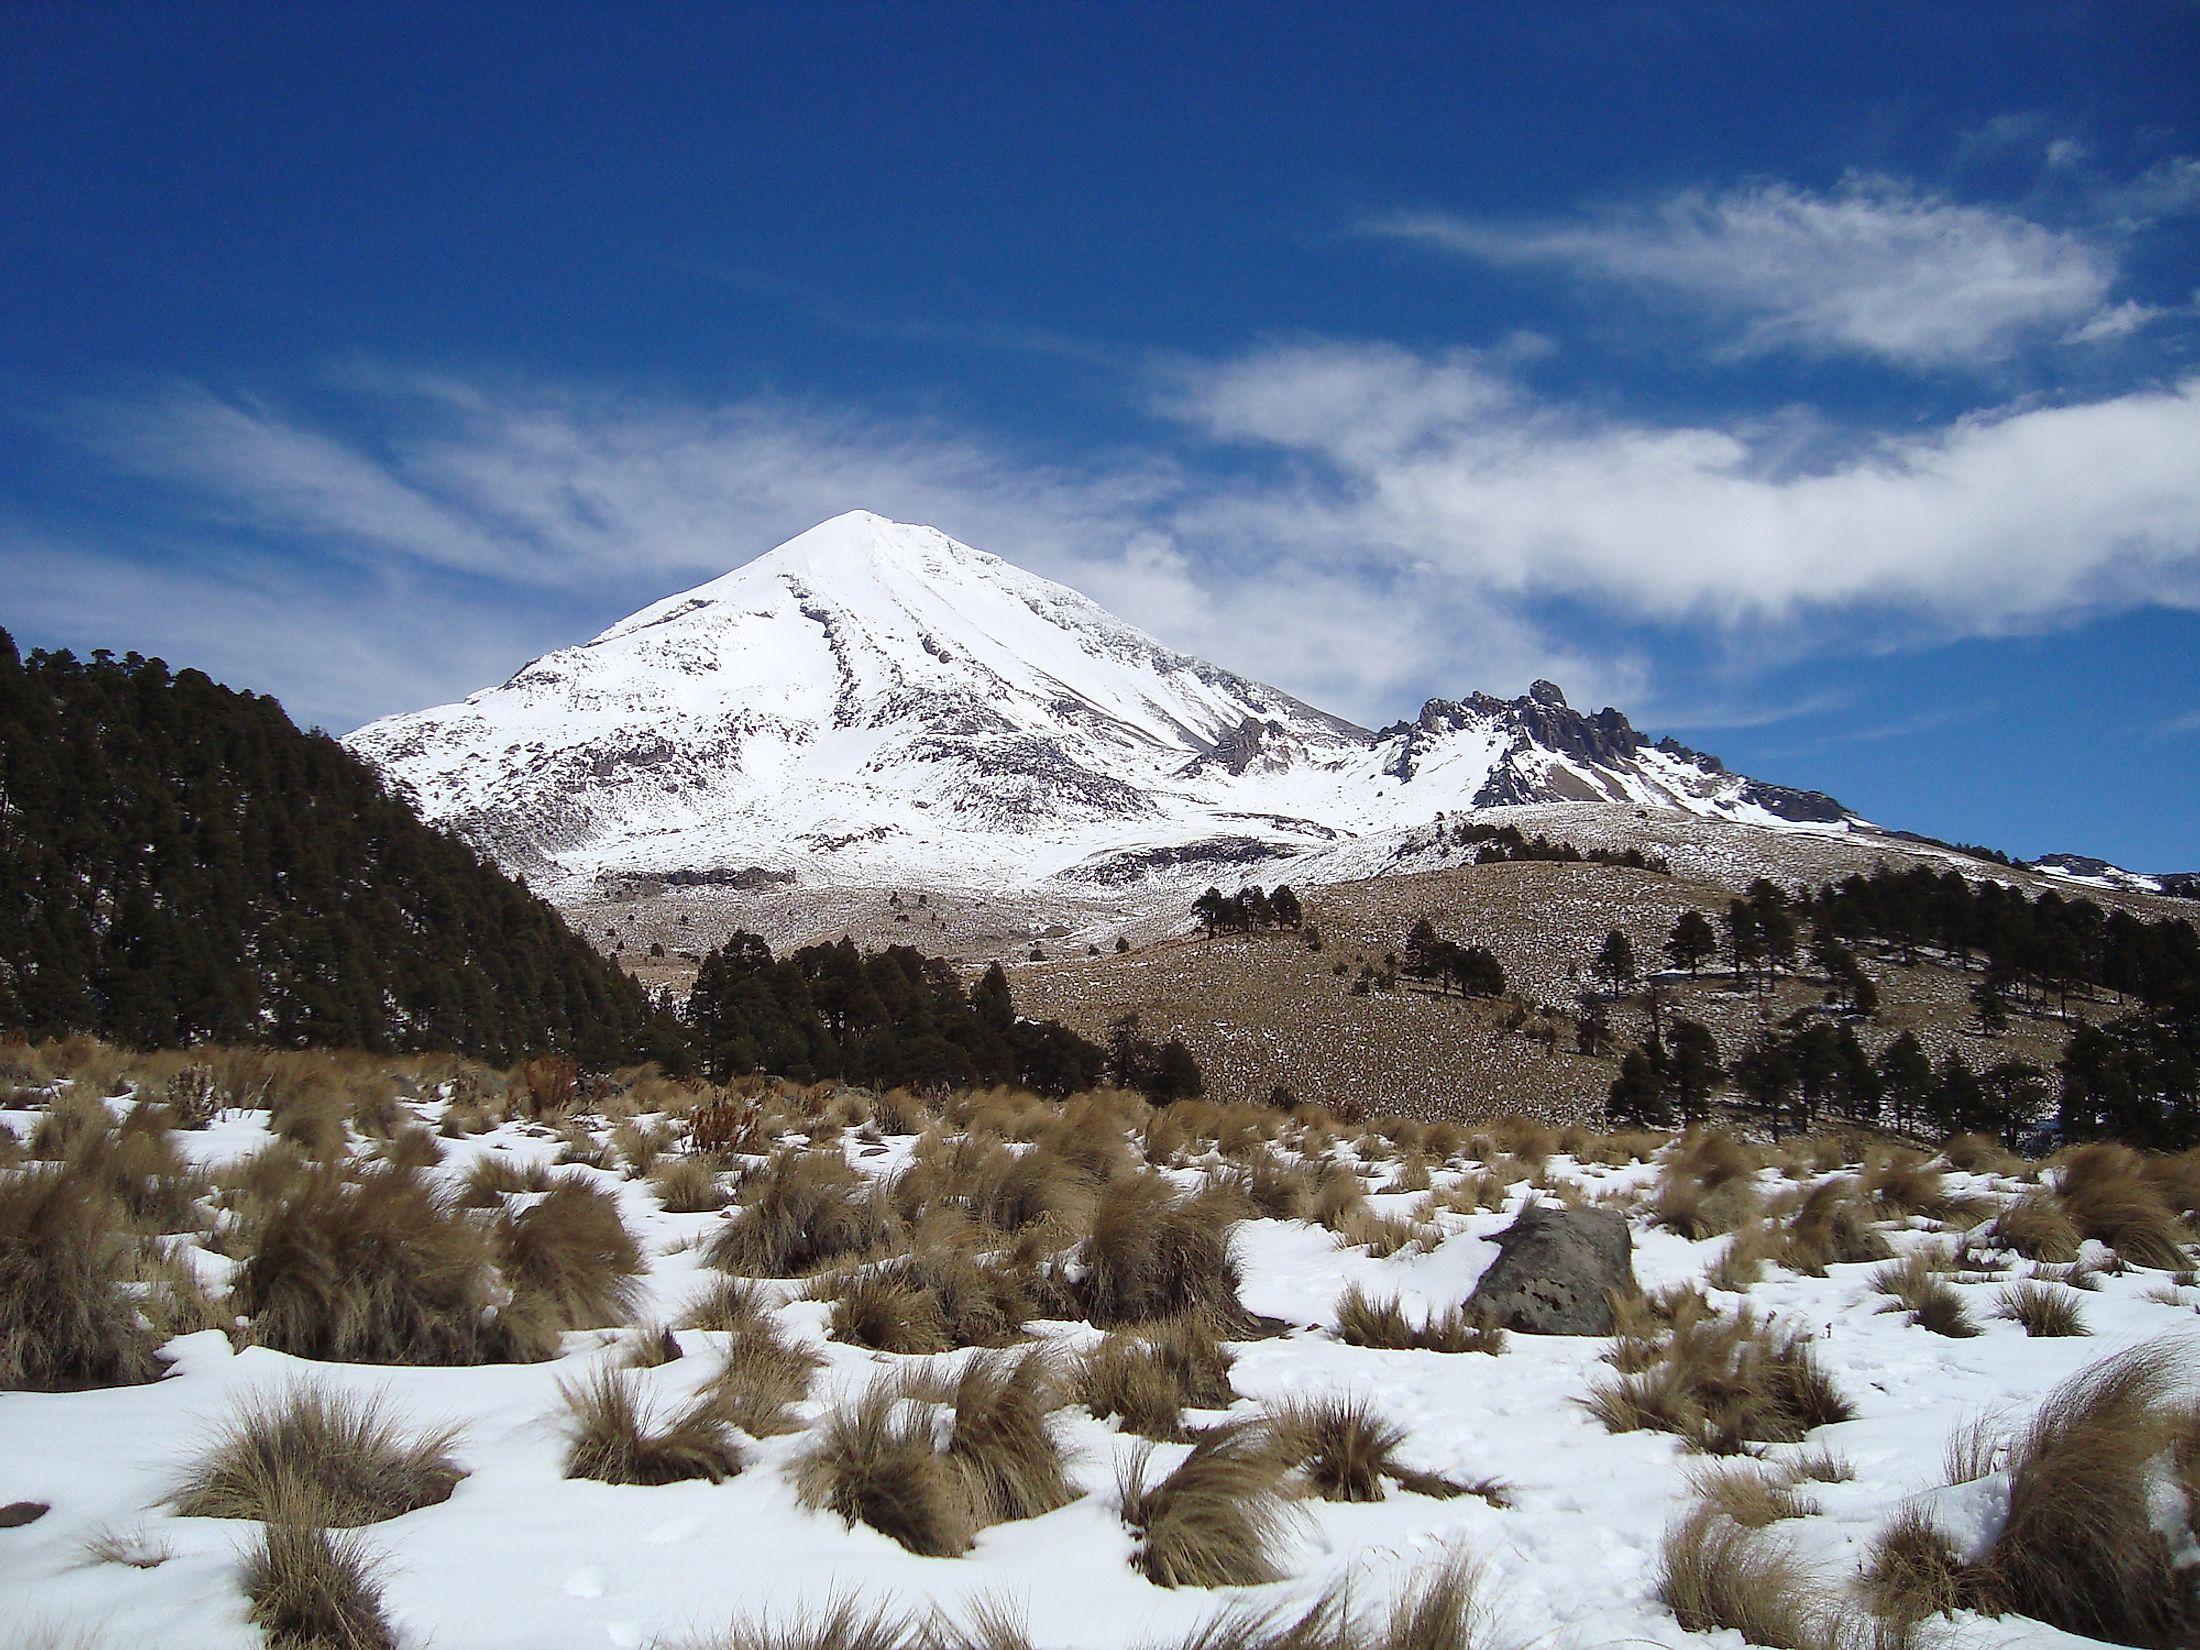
1819,384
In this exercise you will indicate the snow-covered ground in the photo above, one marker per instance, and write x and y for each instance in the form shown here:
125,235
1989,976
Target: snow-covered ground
522,1556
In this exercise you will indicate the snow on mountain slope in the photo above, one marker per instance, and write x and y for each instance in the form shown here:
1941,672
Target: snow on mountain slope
876,701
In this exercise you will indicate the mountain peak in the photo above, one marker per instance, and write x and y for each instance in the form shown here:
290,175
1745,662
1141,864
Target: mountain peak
863,538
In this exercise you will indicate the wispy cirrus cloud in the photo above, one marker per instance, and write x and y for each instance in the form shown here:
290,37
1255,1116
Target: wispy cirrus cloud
1875,267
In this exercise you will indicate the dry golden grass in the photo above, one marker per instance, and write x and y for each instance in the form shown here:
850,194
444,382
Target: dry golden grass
1364,1321
2106,1191
1342,1450
2080,1548
321,1457
805,1209
874,1461
571,1260
66,1319
1750,1496
761,1378
885,1309
1721,1384
1385,1235
2036,1227
729,1304
1148,1377
309,1590
494,1177
688,1185
132,1546
382,1270
1705,1187
1151,1254
2043,1310
1915,1573
1916,1287
1714,1573
612,1436
1010,1464
1901,1183
1216,1519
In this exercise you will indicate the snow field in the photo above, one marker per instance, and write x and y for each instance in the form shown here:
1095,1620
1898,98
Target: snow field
520,1555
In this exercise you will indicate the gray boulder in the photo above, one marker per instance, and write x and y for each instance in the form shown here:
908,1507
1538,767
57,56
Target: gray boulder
1558,1272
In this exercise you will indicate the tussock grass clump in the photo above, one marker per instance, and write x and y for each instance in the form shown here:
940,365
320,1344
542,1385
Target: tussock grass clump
1215,1520
2043,1310
886,1310
1830,1225
729,1305
688,1185
1721,1384
1151,1254
1011,1467
763,1377
1437,1610
321,1457
615,1439
2080,1548
1706,1186
132,1547
494,1177
1385,1235
1365,1321
66,1320
1915,1573
875,1462
1713,1573
1147,1378
572,1257
1343,1450
1752,1497
2108,1195
2036,1227
310,1590
804,1210
1903,1184
841,1624
1931,1301
378,1271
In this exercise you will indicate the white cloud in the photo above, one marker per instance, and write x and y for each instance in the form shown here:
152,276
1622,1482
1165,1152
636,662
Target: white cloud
2004,520
1429,514
1873,268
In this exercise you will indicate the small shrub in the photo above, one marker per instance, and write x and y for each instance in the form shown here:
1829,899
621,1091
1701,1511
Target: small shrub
1215,1520
310,1590
321,1457
613,1438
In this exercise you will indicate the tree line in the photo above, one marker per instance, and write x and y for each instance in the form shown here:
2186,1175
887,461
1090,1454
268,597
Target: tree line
179,863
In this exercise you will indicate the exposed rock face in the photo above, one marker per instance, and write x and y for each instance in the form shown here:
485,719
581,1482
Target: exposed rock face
1559,1271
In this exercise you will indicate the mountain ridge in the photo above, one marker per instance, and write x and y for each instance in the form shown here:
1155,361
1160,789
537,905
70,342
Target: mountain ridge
874,700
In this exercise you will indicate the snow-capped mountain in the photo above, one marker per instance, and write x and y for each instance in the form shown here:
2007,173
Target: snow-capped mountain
876,701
